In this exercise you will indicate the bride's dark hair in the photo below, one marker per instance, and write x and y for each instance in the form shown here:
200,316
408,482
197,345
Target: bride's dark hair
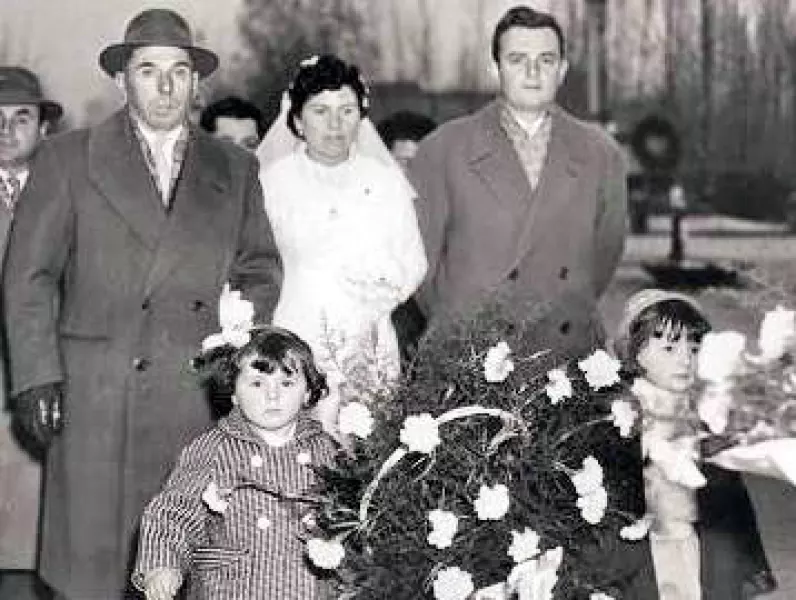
320,74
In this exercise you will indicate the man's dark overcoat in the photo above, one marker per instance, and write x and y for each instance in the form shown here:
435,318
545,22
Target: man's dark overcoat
111,294
488,235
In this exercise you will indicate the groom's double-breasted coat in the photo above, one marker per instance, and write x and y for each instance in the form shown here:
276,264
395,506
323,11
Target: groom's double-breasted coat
548,252
111,294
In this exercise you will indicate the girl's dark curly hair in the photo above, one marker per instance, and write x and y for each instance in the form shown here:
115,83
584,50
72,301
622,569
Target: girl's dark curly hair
275,348
327,73
673,318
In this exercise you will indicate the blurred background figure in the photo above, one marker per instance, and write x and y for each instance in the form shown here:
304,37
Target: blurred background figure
235,120
25,119
402,131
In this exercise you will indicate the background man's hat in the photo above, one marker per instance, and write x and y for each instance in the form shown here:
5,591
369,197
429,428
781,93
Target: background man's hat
157,27
20,86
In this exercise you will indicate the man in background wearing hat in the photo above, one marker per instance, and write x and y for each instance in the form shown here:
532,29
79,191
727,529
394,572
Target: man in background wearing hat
118,254
25,117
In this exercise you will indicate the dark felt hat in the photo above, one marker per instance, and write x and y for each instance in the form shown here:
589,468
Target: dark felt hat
157,27
20,86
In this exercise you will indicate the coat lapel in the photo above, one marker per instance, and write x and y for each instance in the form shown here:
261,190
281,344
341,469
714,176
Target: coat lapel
563,164
117,168
200,199
494,160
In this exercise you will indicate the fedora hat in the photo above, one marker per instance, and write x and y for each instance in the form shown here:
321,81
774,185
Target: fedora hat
157,27
20,86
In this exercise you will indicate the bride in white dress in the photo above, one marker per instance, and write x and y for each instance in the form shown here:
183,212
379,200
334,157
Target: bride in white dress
343,217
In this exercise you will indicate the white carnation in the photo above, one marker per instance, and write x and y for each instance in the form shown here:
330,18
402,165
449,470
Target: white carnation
589,478
777,333
498,364
623,416
492,503
720,355
444,525
452,583
420,433
355,419
600,369
560,387
593,505
524,546
326,554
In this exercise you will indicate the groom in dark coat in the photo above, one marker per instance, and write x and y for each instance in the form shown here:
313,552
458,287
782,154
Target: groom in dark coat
121,245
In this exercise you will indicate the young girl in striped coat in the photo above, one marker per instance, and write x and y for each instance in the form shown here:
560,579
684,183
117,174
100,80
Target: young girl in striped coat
228,522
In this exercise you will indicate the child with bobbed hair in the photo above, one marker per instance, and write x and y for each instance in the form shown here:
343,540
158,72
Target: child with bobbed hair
703,535
229,519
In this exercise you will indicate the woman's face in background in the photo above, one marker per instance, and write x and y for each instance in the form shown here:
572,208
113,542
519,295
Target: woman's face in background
329,122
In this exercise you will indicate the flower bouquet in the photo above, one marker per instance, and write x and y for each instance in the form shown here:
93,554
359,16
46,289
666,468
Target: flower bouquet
749,399
486,474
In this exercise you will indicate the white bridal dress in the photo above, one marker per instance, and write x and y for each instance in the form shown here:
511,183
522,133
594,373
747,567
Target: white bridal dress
351,252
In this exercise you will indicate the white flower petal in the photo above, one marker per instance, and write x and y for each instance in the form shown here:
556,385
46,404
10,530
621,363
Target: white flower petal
452,583
326,554
600,370
420,433
492,502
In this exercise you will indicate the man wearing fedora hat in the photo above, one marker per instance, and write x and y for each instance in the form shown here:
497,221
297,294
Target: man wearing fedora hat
25,116
118,254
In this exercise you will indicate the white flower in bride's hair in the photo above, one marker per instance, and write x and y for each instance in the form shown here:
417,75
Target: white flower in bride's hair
326,554
452,583
215,498
310,61
355,419
560,387
720,355
236,317
600,369
492,503
420,433
498,364
623,416
443,527
524,546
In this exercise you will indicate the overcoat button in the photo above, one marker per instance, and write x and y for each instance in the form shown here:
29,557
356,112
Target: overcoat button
565,327
145,304
563,273
514,274
197,305
140,364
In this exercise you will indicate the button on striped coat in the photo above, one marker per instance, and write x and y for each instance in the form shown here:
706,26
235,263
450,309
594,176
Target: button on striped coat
251,547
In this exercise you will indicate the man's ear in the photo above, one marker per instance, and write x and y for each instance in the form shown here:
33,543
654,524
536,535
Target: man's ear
562,70
121,82
44,129
234,399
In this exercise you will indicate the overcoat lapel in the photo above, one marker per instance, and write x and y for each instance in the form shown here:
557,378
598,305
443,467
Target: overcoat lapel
198,204
116,167
494,160
557,186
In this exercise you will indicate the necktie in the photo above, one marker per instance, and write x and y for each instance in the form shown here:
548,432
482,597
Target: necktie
163,167
13,187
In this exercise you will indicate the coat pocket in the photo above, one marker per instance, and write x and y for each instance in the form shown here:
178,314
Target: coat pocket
218,572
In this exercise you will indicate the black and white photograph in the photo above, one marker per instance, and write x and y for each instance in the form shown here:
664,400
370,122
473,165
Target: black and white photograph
397,299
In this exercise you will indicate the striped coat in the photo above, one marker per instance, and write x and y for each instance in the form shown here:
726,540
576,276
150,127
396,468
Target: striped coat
253,549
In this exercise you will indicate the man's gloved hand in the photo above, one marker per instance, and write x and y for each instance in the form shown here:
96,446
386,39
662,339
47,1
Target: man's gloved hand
38,415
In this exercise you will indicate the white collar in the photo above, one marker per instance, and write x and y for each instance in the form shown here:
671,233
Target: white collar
21,175
531,126
150,136
276,440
